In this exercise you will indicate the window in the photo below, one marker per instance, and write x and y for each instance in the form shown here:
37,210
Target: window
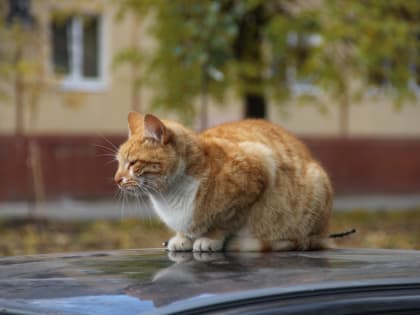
299,47
382,77
388,71
379,73
77,52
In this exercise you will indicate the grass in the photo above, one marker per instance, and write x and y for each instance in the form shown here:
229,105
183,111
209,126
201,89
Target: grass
33,236
379,229
375,229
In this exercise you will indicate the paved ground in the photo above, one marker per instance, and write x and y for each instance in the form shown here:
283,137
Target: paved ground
72,209
377,202
87,210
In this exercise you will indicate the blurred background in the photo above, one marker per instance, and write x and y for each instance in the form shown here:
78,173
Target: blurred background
342,75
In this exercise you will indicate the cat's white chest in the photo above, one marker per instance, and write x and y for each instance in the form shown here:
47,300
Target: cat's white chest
176,207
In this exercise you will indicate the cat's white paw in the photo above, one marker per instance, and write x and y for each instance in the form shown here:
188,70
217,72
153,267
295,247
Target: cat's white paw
205,244
179,244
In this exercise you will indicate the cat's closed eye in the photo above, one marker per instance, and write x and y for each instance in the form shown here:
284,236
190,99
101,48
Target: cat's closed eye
152,168
132,163
145,168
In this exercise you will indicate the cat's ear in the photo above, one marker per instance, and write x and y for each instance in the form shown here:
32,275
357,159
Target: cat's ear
155,129
135,122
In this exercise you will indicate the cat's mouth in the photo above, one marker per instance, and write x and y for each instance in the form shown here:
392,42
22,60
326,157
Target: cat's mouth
138,187
134,189
129,187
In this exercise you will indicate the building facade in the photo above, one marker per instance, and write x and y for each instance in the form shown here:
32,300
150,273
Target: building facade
83,93
72,97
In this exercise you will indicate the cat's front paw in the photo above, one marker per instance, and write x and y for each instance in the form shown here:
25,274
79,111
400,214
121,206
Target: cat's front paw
179,243
205,244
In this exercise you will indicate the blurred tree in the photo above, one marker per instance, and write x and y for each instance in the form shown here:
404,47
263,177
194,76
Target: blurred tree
280,49
21,59
134,57
23,78
367,46
205,47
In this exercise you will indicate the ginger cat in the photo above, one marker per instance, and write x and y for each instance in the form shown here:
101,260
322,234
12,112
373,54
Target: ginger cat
241,186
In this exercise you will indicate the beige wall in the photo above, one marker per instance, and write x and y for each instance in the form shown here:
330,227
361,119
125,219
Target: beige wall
369,117
61,111
383,118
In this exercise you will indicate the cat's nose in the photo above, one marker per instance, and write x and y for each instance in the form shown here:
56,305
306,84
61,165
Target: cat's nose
118,179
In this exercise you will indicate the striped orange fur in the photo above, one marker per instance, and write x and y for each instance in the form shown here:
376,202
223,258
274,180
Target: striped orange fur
241,186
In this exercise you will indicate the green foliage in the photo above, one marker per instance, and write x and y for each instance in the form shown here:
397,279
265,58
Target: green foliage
195,51
374,41
195,60
329,45
22,70
288,37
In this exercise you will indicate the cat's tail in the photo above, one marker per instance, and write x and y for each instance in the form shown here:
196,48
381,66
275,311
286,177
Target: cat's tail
250,244
342,234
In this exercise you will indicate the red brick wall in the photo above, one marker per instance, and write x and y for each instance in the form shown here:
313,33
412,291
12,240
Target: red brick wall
72,166
366,166
80,166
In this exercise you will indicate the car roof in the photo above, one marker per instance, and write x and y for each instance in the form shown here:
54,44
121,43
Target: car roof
152,280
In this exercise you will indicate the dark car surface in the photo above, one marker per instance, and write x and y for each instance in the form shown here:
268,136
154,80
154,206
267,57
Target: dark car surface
342,281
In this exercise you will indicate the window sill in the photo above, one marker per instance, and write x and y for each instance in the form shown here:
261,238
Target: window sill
84,85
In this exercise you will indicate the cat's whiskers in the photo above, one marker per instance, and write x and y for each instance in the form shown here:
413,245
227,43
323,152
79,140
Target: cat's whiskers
144,188
110,162
105,148
111,148
141,202
120,195
108,153
111,155
151,190
130,188
113,145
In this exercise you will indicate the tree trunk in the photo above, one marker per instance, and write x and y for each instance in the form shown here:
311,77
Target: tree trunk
247,50
18,91
135,71
35,166
255,106
344,117
135,95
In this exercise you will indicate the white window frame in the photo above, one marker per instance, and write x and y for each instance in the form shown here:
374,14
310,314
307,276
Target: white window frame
74,80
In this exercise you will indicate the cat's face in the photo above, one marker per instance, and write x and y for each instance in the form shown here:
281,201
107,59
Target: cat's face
147,160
